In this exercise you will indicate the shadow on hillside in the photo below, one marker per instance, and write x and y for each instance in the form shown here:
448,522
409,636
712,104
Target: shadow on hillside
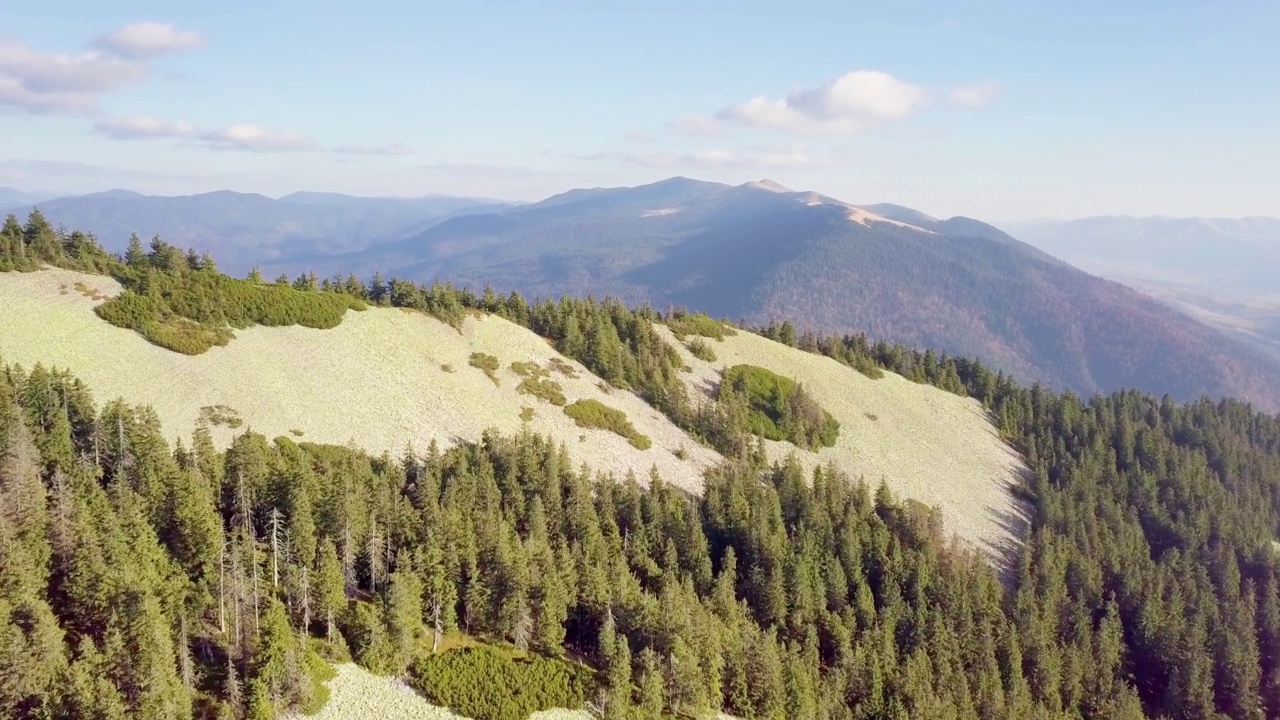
1015,524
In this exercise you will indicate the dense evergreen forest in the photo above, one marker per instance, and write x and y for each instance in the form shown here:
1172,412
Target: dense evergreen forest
143,579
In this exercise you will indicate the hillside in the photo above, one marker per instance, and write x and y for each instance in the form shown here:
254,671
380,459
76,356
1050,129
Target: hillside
1221,271
886,426
379,379
244,229
755,253
395,393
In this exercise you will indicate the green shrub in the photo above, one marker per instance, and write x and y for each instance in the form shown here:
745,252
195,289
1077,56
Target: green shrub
526,413
597,415
218,415
778,408
488,363
701,349
486,683
700,325
365,632
544,388
192,311
529,370
564,368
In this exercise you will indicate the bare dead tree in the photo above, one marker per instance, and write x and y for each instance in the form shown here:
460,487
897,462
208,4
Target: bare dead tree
437,625
374,552
276,521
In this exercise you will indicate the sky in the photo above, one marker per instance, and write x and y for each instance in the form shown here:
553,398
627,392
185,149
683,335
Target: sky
996,110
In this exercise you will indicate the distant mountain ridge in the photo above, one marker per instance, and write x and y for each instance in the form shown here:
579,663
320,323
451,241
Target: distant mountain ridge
760,254
244,229
1223,271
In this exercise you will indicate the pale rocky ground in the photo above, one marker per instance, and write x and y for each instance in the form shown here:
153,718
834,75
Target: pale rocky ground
357,694
927,444
377,379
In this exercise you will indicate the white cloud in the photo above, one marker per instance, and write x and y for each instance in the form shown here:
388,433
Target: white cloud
638,136
391,149
844,105
145,40
142,128
50,82
248,137
43,82
973,96
787,156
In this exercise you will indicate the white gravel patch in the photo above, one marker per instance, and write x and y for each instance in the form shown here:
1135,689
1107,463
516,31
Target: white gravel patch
377,380
357,694
929,445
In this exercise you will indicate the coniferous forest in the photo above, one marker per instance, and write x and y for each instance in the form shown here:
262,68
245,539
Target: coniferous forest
146,579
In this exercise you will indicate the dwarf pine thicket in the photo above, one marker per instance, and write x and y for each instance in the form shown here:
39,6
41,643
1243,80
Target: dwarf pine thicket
139,579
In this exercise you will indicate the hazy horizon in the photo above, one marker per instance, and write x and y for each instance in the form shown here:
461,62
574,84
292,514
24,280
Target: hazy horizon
994,111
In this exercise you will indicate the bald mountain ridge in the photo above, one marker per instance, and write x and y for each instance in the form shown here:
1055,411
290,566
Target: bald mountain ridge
761,253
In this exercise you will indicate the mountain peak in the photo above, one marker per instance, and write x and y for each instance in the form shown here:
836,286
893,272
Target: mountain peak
769,185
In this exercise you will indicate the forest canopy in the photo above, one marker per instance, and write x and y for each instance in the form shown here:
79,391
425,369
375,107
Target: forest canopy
147,579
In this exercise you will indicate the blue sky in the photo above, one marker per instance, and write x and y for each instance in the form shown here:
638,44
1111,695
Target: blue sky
998,110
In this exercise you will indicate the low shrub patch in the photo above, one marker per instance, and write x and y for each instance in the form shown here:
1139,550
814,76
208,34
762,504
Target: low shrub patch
487,683
701,349
488,363
543,388
778,408
701,325
597,415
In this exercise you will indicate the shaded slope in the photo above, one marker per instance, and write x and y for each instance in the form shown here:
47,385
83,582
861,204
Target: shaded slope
752,252
244,228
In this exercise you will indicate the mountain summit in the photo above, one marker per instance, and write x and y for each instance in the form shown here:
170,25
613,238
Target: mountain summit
762,253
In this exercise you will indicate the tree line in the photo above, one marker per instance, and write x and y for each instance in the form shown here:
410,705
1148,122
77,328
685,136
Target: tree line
1148,584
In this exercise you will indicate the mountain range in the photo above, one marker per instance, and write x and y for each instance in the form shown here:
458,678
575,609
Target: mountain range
1223,271
755,253
246,229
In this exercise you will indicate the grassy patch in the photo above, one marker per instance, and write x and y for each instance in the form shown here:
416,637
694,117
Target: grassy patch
296,432
526,413
447,367
538,383
488,683
529,370
488,363
701,349
778,408
543,388
700,325
91,293
220,415
564,368
597,415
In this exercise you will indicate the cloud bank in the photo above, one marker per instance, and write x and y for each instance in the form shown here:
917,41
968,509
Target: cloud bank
51,82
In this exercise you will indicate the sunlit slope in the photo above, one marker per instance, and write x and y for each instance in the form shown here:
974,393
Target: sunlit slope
386,379
929,445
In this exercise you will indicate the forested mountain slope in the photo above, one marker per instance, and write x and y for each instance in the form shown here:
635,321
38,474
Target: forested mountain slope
756,253
385,379
244,229
1222,271
141,578
398,379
